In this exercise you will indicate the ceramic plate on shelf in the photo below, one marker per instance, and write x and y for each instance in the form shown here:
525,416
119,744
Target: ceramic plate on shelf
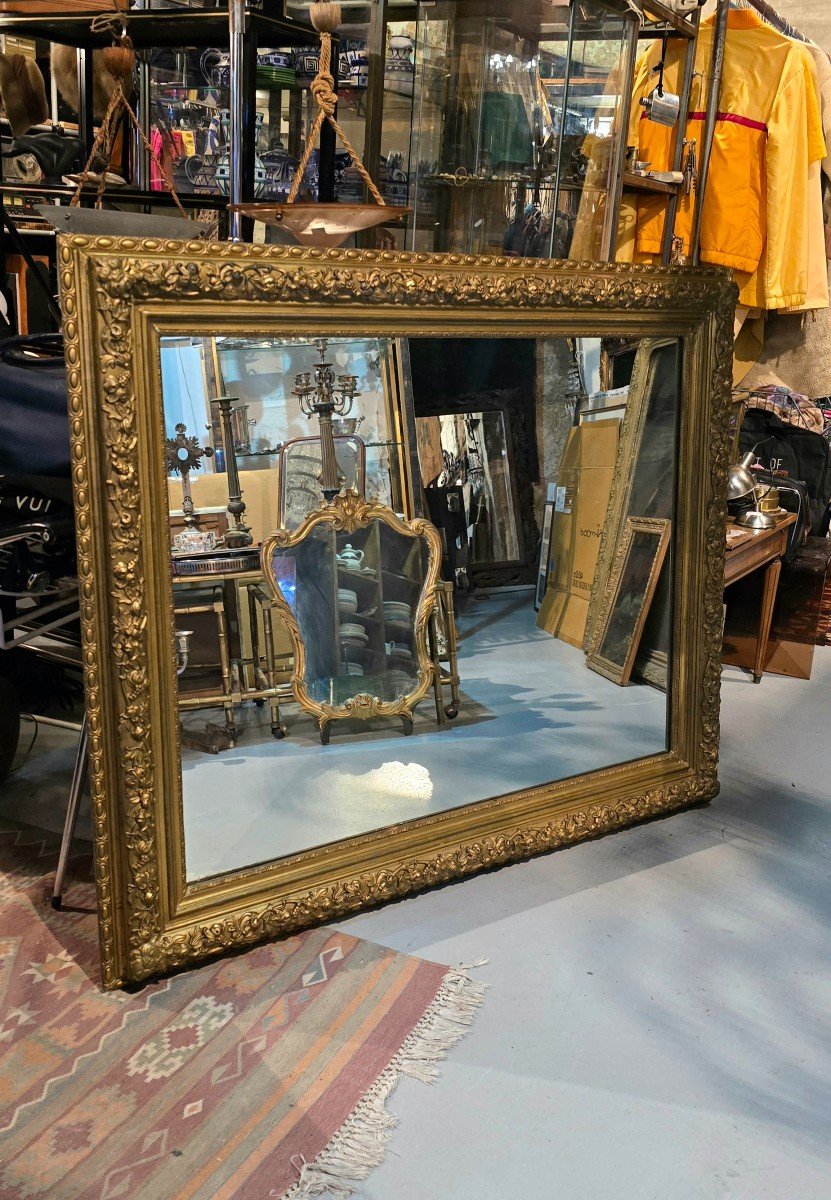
399,652
351,627
398,612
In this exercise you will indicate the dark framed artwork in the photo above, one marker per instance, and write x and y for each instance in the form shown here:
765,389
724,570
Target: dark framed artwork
545,543
625,604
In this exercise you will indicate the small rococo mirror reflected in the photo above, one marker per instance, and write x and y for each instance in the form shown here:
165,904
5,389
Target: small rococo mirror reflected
356,587
398,529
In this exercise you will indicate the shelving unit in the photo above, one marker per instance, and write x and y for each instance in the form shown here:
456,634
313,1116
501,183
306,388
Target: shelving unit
642,183
668,18
237,27
374,585
670,25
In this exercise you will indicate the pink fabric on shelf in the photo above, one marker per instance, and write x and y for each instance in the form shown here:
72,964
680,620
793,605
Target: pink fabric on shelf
157,183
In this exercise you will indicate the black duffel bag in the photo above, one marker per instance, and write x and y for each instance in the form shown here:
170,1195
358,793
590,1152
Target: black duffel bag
800,453
34,420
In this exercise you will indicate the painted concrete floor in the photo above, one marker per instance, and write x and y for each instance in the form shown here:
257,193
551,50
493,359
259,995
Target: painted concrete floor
658,1025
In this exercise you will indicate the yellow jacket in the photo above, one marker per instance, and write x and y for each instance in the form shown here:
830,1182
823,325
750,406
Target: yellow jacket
757,205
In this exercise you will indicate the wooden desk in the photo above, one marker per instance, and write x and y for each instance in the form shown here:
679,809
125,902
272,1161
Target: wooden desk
751,550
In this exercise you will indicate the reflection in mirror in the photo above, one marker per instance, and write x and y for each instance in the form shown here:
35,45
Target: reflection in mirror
471,452
624,607
356,591
644,487
483,489
300,467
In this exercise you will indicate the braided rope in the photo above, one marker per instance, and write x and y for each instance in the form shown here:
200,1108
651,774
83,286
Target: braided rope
103,144
106,22
102,141
323,90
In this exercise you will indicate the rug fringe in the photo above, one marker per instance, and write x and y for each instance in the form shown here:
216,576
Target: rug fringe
361,1143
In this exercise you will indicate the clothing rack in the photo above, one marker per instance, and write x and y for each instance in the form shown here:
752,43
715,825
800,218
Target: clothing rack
778,22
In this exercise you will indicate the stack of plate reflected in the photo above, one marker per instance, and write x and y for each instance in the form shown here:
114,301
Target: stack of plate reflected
347,601
398,682
352,634
397,611
398,651
351,668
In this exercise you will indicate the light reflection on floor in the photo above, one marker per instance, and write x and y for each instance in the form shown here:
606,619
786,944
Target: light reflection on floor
531,713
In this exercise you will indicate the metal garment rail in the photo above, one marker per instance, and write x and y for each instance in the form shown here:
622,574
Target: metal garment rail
778,22
713,95
716,66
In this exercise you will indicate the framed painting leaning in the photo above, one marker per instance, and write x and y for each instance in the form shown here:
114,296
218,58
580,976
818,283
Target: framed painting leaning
629,594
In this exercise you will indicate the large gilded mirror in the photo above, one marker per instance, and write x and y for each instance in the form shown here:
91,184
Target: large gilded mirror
299,708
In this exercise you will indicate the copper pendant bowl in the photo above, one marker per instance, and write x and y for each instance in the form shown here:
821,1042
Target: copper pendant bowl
323,225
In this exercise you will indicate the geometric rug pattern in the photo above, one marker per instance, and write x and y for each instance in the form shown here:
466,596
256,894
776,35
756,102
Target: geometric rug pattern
227,1082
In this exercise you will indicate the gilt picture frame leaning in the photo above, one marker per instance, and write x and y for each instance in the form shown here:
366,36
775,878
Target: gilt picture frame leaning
630,448
630,589
119,298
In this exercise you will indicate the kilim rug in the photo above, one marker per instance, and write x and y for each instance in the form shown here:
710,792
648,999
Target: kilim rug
261,1076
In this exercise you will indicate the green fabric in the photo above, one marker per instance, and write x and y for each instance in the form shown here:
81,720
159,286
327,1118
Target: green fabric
506,131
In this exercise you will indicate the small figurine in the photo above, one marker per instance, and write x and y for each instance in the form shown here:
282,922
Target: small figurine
183,454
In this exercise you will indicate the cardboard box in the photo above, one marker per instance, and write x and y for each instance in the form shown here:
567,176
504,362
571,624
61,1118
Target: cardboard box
584,483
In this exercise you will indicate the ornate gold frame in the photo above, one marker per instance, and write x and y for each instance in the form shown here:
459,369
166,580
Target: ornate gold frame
349,512
631,437
119,297
632,525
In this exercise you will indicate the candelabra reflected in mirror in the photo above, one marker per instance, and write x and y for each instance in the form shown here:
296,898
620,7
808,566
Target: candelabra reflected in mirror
183,637
324,394
240,534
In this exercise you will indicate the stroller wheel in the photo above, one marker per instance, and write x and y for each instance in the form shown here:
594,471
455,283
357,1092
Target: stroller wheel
9,726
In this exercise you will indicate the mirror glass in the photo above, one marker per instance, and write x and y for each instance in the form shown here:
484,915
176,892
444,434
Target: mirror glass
355,596
471,450
509,448
300,466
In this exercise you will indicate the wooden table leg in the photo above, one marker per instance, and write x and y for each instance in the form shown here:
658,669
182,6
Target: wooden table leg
771,583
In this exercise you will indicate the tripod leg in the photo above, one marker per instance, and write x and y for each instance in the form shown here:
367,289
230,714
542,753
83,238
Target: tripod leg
79,778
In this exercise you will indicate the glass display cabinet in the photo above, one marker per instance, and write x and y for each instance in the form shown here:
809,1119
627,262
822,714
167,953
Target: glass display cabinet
189,97
501,122
517,108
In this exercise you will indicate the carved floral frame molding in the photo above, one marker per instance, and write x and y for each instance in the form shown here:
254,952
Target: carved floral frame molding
119,296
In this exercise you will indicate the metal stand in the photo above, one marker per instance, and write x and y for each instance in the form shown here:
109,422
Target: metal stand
239,534
447,676
713,94
79,778
9,228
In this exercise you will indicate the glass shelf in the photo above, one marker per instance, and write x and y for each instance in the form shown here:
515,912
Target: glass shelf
515,112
